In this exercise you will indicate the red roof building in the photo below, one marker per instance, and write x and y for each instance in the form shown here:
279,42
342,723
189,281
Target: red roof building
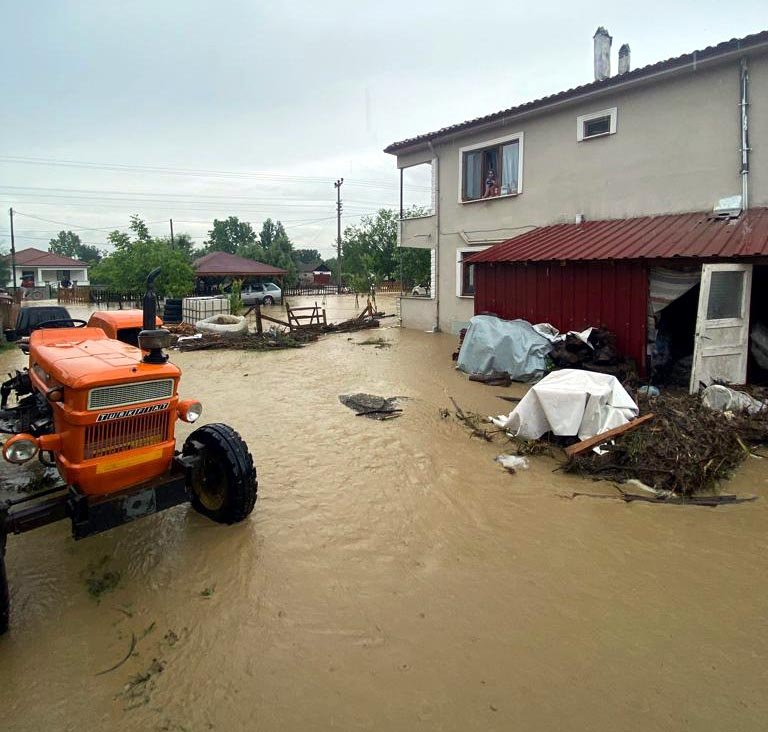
619,274
221,264
39,268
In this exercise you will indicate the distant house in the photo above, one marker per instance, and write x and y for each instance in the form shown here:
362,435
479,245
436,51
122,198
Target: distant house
38,268
314,273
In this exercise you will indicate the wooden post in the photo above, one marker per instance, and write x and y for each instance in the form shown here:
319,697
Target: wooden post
259,328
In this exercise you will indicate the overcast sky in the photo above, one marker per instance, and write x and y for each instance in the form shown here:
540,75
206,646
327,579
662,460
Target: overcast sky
257,107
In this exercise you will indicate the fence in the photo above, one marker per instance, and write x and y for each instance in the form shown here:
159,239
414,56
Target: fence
80,295
309,290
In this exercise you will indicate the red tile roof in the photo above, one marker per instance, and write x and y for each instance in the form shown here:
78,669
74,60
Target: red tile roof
678,63
221,264
38,258
650,237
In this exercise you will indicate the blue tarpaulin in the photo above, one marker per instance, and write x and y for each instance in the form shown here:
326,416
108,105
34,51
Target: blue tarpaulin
496,346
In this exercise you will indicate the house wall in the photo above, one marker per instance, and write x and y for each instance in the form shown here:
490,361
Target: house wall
571,296
47,275
676,149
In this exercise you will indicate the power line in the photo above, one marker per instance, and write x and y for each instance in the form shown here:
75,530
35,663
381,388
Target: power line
194,172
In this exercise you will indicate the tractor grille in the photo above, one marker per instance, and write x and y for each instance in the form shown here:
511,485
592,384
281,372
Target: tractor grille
118,435
124,394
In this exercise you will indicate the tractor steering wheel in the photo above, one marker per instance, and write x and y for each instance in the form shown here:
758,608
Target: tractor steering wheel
62,323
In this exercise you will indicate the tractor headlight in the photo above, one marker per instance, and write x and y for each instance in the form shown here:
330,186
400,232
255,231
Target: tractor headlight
190,410
20,448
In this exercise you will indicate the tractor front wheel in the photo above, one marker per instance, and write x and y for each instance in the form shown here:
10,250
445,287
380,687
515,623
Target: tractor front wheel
223,484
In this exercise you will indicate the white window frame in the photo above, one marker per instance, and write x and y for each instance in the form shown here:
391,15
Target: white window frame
459,265
519,136
612,112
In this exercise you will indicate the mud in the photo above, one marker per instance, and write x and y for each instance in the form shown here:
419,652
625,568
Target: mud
392,577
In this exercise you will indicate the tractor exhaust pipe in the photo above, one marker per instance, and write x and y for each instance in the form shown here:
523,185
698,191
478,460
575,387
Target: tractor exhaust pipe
149,304
152,339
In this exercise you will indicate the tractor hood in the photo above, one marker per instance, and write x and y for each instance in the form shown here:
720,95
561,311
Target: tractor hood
85,357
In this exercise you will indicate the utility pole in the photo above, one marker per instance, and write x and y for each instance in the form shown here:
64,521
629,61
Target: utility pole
13,255
337,186
172,243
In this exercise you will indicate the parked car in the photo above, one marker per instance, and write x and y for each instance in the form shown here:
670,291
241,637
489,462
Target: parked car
421,291
265,293
29,318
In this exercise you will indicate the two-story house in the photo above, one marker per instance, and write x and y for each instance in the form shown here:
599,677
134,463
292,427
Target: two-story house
671,138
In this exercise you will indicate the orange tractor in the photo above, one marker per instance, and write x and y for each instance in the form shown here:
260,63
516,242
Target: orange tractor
103,412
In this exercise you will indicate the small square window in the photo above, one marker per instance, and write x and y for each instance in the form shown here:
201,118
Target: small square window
596,124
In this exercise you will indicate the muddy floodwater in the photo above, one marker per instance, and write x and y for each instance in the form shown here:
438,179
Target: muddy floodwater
391,577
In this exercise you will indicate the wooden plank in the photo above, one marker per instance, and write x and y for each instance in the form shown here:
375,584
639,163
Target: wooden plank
275,320
591,442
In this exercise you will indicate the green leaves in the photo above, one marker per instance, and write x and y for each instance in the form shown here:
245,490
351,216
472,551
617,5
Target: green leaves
127,267
231,236
69,244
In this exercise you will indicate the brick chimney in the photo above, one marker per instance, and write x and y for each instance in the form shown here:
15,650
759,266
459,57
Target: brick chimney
603,42
624,59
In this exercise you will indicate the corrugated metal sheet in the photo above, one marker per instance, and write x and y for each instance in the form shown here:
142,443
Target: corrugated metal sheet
695,235
571,296
690,60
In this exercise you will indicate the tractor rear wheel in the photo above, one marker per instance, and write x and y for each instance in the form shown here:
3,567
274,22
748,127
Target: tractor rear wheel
5,600
223,485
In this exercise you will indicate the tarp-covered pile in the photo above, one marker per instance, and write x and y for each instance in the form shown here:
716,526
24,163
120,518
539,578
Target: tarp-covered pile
570,403
496,346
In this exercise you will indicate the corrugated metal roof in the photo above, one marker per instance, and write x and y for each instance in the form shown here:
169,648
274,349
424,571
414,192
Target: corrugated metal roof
688,59
650,237
221,263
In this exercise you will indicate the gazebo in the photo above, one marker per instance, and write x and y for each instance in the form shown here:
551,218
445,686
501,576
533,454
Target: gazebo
216,266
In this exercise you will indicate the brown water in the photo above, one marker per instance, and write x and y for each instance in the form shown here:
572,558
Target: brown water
392,577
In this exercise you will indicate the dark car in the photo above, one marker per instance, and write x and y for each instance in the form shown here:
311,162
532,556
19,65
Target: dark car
30,318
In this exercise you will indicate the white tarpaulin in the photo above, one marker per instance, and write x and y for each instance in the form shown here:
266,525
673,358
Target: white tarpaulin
570,402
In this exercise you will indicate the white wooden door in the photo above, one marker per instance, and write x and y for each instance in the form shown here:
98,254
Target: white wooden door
722,325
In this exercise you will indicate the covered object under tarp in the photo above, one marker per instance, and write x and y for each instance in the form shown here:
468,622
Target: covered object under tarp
496,346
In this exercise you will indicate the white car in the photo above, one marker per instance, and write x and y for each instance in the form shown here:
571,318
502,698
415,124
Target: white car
421,291
265,293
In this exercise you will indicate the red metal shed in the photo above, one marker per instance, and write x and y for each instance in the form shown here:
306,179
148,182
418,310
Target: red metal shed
596,272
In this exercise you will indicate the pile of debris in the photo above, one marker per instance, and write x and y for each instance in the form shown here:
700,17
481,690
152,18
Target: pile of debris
687,448
269,341
188,339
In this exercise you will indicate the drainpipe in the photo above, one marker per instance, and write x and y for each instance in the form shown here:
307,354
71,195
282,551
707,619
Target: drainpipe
743,104
436,185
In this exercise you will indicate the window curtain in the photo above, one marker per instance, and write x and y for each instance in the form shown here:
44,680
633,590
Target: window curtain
510,158
473,163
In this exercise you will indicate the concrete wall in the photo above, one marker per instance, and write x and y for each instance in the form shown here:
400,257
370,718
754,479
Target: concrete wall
676,149
418,312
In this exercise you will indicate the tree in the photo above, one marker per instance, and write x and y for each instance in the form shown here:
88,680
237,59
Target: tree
139,228
416,266
230,236
127,268
69,244
5,269
307,256
118,239
278,249
369,250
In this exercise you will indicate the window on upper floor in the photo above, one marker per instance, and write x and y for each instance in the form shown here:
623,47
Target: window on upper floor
596,124
491,169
